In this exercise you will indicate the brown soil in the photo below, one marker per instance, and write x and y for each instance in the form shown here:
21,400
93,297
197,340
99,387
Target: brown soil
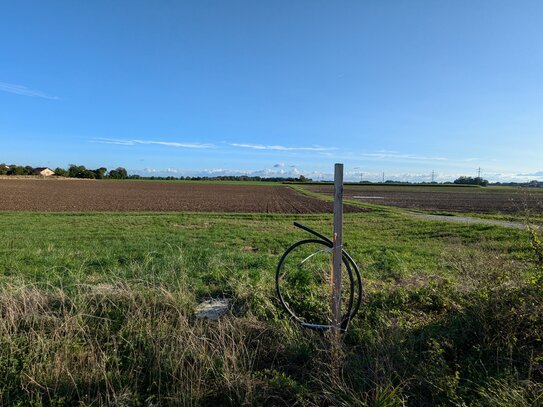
449,199
84,195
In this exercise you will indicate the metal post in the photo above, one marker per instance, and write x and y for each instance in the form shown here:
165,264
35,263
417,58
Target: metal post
338,244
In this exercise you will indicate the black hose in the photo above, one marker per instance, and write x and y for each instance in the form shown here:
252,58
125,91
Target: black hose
355,281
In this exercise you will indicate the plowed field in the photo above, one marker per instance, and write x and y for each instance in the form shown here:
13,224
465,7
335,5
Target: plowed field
451,199
92,195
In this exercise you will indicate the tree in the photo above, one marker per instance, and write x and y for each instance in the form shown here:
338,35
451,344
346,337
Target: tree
76,171
61,172
100,172
118,173
17,170
87,174
471,181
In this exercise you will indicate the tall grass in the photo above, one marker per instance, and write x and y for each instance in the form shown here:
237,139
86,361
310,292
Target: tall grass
475,340
457,322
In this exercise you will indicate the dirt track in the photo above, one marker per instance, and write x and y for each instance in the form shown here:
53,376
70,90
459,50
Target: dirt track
44,195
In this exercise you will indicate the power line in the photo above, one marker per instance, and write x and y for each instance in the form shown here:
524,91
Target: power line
361,173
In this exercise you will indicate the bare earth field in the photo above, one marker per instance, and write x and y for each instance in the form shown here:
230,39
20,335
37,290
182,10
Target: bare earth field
451,199
43,195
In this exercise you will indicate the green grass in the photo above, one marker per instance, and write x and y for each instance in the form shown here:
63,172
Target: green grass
96,309
71,247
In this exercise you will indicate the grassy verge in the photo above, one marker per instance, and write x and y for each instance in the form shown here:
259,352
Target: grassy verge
526,218
97,309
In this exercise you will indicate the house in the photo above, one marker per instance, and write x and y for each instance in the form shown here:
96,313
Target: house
43,171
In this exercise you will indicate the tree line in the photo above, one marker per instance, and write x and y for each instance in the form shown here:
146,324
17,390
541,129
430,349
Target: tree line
73,171
471,181
80,171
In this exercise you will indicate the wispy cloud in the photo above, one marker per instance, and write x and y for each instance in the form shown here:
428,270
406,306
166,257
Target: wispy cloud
133,142
388,151
532,174
266,172
282,148
385,156
24,91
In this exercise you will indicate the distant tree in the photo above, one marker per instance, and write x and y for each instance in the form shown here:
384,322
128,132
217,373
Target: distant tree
18,170
61,172
76,171
100,172
80,171
3,169
89,174
118,173
471,181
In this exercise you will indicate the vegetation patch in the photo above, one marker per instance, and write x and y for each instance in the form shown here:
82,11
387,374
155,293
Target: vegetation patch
97,308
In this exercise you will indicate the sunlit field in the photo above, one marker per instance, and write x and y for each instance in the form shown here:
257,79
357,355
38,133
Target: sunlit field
98,308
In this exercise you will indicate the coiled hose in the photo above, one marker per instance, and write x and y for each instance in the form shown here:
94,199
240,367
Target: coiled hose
355,282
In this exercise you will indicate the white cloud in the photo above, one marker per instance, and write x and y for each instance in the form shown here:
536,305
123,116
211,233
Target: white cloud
282,148
393,156
174,144
266,172
279,165
350,176
388,151
532,174
24,91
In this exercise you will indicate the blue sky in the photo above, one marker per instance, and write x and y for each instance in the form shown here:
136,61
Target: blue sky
282,87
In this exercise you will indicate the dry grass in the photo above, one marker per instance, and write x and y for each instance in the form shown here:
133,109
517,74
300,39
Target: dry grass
460,324
124,345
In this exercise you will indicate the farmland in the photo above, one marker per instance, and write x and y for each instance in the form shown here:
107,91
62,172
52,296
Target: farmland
88,195
486,200
97,308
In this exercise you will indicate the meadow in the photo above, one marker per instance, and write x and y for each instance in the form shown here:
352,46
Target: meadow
97,310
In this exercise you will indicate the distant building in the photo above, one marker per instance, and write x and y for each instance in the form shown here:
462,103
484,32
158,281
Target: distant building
43,171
